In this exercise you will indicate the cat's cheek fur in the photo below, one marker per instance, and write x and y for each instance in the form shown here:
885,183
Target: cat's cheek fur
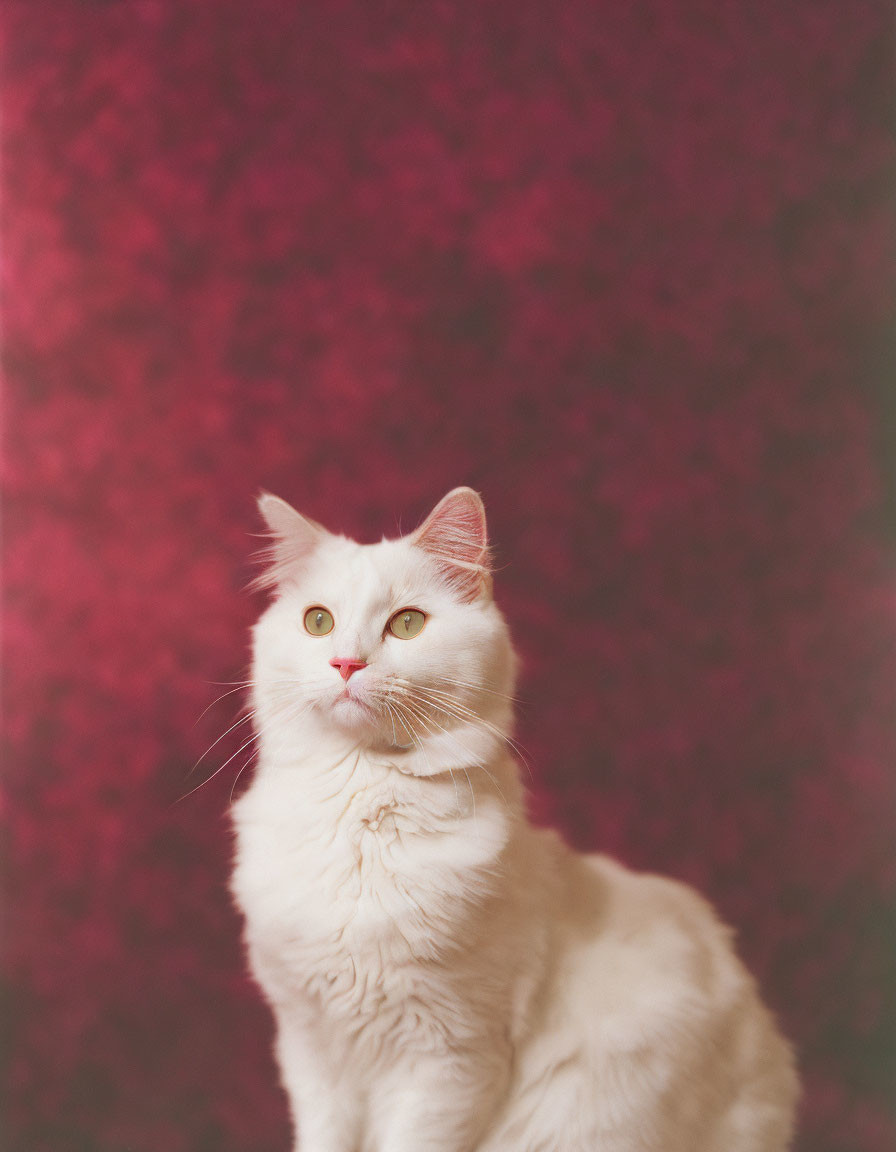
444,977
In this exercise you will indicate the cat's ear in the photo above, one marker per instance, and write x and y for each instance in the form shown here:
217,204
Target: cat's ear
455,536
292,540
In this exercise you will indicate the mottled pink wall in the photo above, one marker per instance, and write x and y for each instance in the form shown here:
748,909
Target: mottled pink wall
625,268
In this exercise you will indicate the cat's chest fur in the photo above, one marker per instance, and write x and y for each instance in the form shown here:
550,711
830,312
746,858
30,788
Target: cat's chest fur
355,884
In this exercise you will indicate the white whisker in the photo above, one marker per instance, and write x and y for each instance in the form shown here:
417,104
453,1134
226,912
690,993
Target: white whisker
451,706
427,721
223,696
418,694
423,752
455,682
242,720
256,736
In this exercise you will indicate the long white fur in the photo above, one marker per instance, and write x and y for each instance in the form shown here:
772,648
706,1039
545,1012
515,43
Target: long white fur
445,977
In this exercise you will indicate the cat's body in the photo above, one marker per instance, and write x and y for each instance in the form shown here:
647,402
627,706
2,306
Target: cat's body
446,978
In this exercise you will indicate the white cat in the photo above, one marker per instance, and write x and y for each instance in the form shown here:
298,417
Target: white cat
444,976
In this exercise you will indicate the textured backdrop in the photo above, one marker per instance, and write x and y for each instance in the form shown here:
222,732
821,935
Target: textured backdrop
625,268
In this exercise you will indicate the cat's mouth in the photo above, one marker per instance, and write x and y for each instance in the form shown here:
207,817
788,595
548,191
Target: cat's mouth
346,695
350,702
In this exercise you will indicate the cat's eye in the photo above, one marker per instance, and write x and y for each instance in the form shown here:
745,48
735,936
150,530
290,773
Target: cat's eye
318,621
407,623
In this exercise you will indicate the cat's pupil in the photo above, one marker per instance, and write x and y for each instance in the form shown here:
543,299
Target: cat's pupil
407,622
319,619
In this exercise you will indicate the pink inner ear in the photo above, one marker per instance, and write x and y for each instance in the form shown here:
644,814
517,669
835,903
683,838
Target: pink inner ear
454,534
292,540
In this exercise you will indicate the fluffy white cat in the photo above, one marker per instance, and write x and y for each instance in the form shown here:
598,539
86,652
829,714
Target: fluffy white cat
444,976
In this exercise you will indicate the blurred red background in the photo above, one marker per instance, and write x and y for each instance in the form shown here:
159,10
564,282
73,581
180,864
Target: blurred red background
624,268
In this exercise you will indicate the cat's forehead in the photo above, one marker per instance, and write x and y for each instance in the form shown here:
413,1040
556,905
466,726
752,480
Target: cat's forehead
384,571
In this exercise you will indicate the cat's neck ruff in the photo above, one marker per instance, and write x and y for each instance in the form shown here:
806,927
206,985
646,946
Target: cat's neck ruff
334,816
297,746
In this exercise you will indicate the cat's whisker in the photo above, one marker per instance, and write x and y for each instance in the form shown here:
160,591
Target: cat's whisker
422,748
451,773
463,748
223,696
473,719
472,789
241,771
455,682
253,739
440,694
404,720
457,793
446,707
451,735
392,716
451,706
517,747
242,720
448,704
392,719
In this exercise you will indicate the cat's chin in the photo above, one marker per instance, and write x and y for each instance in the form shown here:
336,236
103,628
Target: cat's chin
353,714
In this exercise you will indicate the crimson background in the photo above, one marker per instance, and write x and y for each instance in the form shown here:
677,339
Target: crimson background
625,268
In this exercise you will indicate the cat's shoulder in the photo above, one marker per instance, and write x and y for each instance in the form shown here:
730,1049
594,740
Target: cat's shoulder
640,941
648,901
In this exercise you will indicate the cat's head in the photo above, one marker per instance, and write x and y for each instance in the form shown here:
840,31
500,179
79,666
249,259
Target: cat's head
392,645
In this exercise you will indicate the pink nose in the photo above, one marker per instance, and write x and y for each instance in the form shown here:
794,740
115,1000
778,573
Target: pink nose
347,667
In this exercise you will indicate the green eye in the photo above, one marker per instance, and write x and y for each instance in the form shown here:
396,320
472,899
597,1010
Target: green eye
318,621
407,623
